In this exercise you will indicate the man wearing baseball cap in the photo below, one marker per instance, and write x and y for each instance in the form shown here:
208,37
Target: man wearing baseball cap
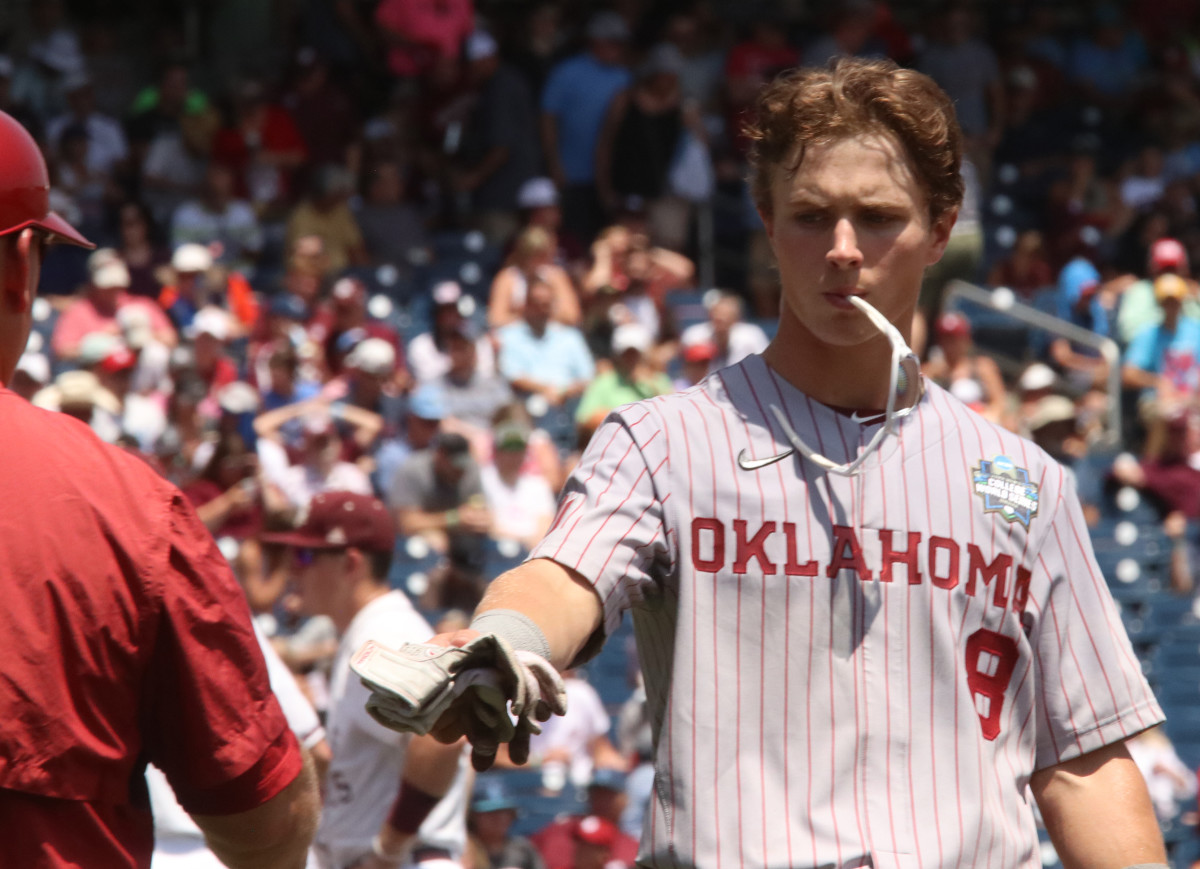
1163,360
132,640
341,554
1139,307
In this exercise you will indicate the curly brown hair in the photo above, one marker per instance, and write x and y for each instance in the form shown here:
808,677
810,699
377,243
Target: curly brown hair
849,98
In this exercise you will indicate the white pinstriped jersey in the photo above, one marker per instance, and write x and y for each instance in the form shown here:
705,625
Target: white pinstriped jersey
847,671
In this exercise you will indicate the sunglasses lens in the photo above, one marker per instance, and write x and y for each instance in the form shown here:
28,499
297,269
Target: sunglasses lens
304,557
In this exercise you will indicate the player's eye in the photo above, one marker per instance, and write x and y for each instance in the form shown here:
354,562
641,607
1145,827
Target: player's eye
809,218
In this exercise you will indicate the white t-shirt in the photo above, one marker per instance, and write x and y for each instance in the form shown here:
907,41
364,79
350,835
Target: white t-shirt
300,483
517,509
426,362
368,759
585,720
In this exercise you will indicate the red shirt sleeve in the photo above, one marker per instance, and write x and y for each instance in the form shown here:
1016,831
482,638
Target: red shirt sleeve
216,729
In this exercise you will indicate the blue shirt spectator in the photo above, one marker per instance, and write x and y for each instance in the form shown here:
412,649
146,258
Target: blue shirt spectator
577,97
558,357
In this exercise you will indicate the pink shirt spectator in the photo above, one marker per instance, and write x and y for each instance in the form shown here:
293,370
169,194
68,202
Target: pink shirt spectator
422,31
83,317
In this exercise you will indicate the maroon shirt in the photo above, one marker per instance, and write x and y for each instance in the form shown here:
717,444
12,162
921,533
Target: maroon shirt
127,641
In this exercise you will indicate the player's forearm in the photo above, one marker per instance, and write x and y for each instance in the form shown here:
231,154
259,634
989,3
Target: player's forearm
430,768
1098,812
558,600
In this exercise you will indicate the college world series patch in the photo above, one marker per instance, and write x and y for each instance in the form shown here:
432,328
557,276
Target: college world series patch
1006,489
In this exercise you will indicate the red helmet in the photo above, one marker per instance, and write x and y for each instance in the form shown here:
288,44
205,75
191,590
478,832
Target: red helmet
25,186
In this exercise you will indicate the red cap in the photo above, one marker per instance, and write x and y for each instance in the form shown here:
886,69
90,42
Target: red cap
120,359
1167,253
703,351
337,519
595,830
25,186
952,323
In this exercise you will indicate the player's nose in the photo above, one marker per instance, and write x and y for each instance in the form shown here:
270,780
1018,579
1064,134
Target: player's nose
843,250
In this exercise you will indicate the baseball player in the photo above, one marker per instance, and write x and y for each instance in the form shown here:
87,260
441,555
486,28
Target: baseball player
870,622
127,638
343,552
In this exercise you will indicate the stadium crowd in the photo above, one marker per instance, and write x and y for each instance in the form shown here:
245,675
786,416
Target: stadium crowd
417,250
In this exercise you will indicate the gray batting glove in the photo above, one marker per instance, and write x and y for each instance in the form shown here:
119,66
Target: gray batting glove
468,691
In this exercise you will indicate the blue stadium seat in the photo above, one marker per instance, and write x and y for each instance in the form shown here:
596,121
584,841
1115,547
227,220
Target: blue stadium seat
412,563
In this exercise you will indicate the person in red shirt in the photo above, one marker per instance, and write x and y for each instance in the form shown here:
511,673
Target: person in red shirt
129,639
559,840
263,147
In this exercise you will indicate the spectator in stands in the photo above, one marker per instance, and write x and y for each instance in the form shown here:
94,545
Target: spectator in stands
471,396
210,332
226,492
107,294
628,270
642,135
1026,269
732,338
848,32
320,467
1084,300
196,284
574,104
32,373
500,150
306,271
323,113
970,376
1106,65
221,222
437,494
695,359
1166,474
541,357
88,188
261,146
492,813
965,67
519,497
106,144
559,840
393,227
141,249
538,204
419,34
342,322
421,423
1139,306
428,357
532,260
595,843
630,379
751,63
540,42
1163,360
79,394
325,213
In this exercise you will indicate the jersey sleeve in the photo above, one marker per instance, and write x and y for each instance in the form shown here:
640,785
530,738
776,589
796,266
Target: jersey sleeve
610,521
1092,692
217,727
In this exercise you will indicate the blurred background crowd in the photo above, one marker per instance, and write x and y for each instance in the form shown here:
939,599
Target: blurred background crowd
419,248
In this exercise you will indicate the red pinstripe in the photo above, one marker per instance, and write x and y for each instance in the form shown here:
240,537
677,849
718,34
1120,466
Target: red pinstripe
762,647
908,646
800,469
712,470
695,622
887,644
937,823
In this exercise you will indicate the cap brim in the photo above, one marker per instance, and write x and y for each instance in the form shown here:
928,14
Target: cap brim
297,538
55,225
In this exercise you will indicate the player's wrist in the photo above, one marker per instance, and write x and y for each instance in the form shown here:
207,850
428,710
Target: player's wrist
515,628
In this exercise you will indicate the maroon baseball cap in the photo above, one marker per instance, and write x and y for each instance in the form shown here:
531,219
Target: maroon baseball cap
337,519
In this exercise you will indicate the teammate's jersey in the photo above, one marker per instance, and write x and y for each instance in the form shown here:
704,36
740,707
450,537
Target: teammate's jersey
368,759
846,671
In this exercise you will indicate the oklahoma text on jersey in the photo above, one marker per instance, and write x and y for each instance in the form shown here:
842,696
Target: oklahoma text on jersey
771,546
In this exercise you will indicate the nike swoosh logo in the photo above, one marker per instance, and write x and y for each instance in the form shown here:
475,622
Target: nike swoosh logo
748,464
867,420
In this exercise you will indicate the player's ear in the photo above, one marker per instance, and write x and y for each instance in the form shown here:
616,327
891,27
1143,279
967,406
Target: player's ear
942,226
17,282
